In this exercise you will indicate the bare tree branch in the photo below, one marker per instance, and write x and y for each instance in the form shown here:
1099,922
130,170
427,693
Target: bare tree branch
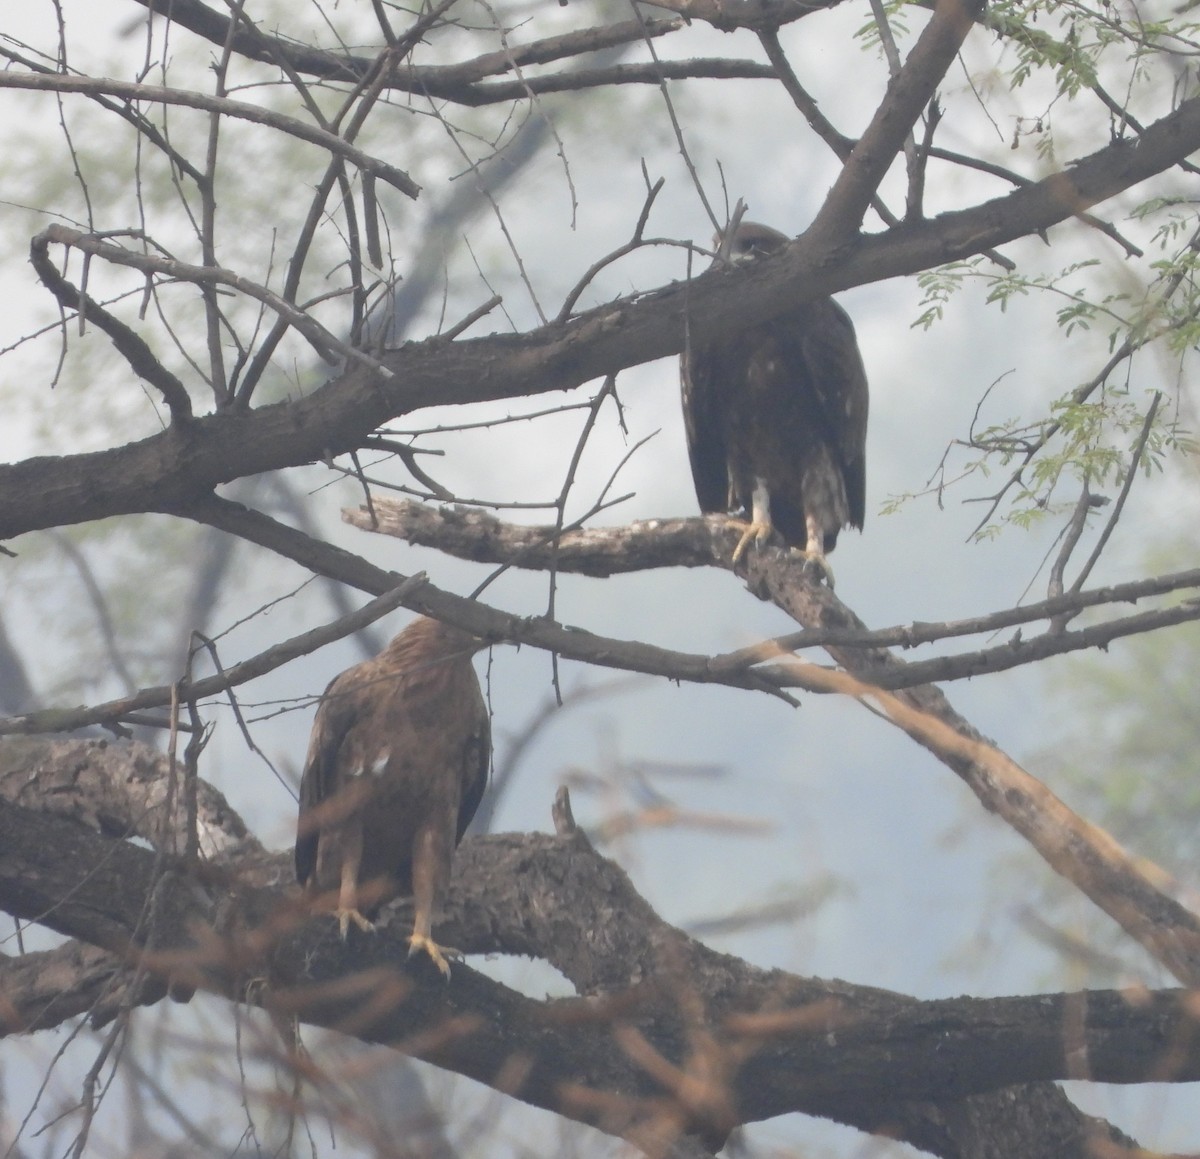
728,15
1127,889
68,719
44,989
133,349
780,1041
908,94
167,471
654,543
241,110
665,1043
326,345
435,80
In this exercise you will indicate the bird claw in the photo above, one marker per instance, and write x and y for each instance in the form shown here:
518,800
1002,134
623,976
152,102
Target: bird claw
815,561
760,533
347,916
418,944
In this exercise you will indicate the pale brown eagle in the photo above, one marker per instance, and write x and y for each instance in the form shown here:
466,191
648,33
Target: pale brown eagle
396,767
776,418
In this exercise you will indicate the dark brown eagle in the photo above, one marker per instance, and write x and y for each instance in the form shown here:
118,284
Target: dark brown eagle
396,767
776,418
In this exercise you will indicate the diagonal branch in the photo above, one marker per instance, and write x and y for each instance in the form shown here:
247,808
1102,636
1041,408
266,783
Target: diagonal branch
114,711
1132,891
469,533
326,345
129,344
909,92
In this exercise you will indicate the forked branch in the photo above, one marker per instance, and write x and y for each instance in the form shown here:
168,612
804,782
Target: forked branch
1136,894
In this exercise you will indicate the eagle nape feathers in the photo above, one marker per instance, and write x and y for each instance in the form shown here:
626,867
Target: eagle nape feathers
397,765
776,419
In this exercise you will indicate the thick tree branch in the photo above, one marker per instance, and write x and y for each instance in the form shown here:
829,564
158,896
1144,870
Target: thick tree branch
454,82
909,92
171,469
1132,891
120,791
729,15
1083,854
338,65
769,1042
474,534
460,82
44,989
1128,889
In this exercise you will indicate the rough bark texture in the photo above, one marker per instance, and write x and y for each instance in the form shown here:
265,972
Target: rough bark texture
1134,894
172,471
663,1031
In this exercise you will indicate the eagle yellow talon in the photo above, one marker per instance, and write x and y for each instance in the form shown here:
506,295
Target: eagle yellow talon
818,562
347,916
758,532
418,943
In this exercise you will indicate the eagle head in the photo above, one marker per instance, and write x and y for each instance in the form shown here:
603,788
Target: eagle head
752,240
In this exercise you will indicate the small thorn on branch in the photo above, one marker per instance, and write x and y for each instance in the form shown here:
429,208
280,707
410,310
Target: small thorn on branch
561,814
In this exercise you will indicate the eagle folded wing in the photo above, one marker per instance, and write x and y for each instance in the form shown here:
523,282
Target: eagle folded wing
776,419
397,765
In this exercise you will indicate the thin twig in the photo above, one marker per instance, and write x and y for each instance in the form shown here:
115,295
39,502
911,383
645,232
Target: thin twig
409,456
65,720
129,344
155,94
322,341
200,641
635,242
1083,392
676,127
473,317
911,160
1134,460
1070,538
473,165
